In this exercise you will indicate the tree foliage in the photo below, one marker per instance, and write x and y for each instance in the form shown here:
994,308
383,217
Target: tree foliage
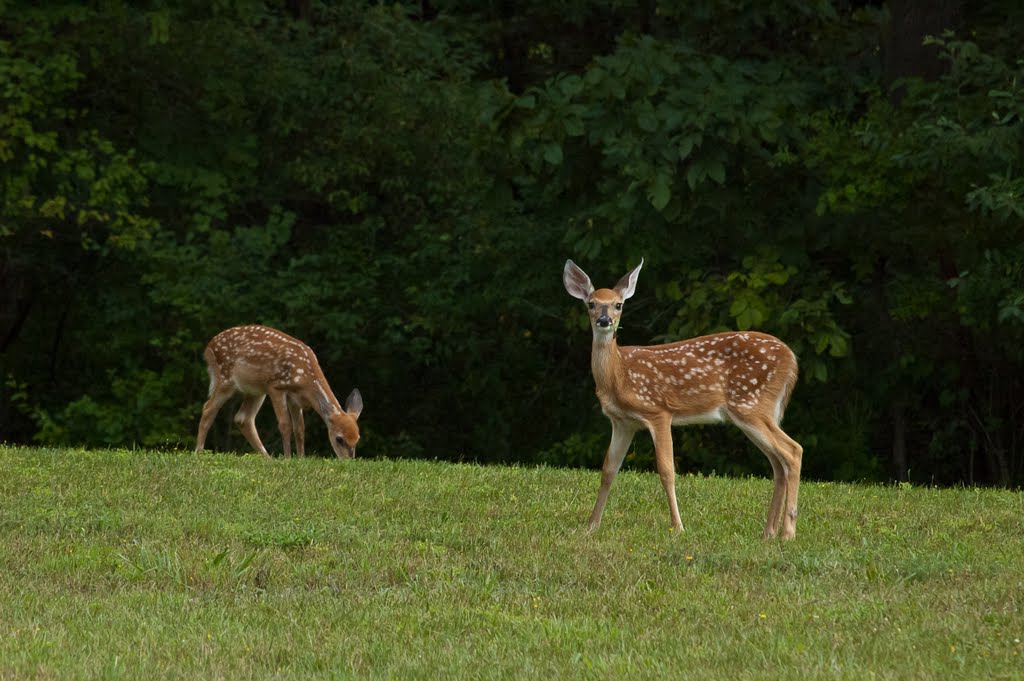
399,185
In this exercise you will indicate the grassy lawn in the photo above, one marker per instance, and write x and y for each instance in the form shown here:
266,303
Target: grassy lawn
118,564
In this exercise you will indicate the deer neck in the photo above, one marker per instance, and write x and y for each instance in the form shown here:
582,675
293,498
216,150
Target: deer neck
322,399
606,363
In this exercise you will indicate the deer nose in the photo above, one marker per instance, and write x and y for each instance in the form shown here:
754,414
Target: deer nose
604,321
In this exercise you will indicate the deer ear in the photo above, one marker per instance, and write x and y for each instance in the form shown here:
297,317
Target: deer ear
576,281
627,285
354,404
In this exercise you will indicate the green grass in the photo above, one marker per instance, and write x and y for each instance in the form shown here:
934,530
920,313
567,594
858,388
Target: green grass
117,564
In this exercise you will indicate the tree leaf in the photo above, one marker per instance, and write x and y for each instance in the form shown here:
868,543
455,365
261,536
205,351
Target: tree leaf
647,119
838,347
696,173
746,319
685,147
526,102
716,171
660,191
553,153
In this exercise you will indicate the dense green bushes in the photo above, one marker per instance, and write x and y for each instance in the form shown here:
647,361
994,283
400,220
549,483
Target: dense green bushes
399,186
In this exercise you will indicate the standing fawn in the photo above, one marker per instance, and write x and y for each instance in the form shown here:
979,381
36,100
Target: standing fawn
742,377
258,361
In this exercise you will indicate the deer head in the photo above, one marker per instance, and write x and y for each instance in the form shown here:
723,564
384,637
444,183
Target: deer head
603,305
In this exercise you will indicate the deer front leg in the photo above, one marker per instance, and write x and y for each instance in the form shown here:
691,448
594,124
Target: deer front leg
298,427
664,459
279,401
622,435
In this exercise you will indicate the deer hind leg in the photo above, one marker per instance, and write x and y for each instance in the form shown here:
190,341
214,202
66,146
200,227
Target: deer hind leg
792,455
219,394
771,526
785,456
246,420
622,435
298,426
761,438
664,458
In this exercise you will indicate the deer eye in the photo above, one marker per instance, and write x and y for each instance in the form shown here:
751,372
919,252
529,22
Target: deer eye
618,306
339,439
591,305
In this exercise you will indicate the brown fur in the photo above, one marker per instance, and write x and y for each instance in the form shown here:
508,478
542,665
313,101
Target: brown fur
746,378
258,361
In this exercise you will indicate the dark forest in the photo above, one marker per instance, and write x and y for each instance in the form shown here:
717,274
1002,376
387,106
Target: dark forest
400,184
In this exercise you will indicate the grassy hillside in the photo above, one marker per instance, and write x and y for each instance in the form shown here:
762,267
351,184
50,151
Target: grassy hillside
120,564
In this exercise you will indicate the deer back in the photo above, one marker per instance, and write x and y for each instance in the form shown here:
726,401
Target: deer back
256,358
704,379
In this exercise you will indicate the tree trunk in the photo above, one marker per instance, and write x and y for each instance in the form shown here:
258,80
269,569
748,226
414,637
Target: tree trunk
899,442
904,54
897,408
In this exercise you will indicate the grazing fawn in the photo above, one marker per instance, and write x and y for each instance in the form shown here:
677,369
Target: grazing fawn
258,361
743,377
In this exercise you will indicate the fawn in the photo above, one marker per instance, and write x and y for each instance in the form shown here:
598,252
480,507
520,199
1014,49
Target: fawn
258,361
743,377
